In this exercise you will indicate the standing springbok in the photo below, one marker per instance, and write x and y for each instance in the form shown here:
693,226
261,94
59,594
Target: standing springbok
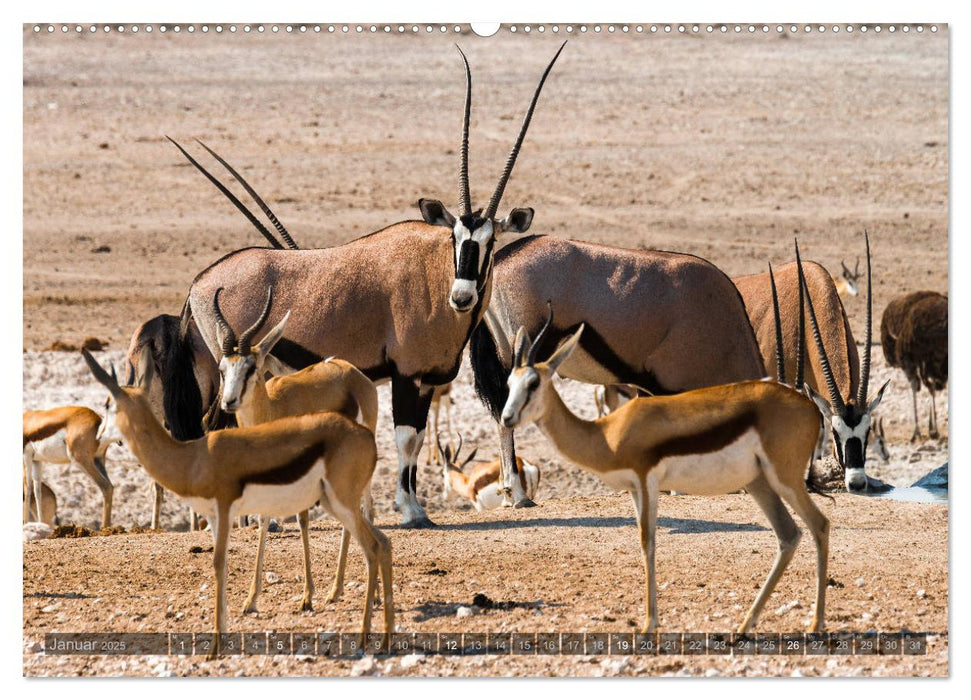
73,435
691,326
277,468
913,332
834,369
175,356
482,486
331,385
400,303
755,435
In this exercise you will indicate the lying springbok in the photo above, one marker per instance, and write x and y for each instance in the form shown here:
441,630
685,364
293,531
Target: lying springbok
175,356
847,284
481,486
834,368
756,435
441,398
913,332
400,303
47,514
73,435
331,385
691,326
273,469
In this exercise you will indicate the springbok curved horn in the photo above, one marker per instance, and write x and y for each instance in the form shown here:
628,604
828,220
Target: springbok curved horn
534,348
246,338
441,450
780,362
865,366
465,196
229,337
455,457
835,400
514,153
857,273
281,229
231,197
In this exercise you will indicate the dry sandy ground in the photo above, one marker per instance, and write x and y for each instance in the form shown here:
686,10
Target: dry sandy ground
719,146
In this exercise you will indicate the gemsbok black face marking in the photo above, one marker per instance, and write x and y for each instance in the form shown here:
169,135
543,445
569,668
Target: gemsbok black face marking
849,419
474,233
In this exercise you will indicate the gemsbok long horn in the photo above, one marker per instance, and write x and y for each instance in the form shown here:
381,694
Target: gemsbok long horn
465,193
231,197
835,399
780,362
281,229
247,337
534,347
227,335
514,153
865,367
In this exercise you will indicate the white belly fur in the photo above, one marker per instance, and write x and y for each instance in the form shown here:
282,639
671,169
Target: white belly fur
621,479
52,449
724,471
271,500
489,498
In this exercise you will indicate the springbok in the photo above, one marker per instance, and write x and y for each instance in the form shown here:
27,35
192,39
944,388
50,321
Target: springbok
692,330
172,353
834,368
847,284
73,435
400,303
332,385
481,486
441,398
276,468
913,332
756,435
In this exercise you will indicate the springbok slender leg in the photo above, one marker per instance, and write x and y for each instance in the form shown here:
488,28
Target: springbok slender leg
303,519
100,476
645,496
434,458
818,525
29,491
257,585
220,543
787,534
157,505
933,419
410,402
514,494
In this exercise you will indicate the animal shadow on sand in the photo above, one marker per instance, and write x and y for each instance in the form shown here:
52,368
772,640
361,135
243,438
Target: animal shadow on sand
677,526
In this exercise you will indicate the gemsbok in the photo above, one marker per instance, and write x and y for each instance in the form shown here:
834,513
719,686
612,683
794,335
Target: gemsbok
833,367
913,332
399,304
481,486
691,326
756,435
73,435
273,469
331,385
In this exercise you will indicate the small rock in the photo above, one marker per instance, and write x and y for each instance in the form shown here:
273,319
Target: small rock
364,667
163,671
921,593
465,611
37,531
612,667
712,672
34,647
860,582
50,608
272,577
412,660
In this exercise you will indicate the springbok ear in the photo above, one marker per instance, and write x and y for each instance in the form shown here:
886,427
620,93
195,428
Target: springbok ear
99,374
520,347
518,221
872,406
470,456
272,338
435,213
821,403
277,367
566,349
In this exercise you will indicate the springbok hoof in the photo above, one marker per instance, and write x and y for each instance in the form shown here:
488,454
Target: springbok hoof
307,606
525,503
421,523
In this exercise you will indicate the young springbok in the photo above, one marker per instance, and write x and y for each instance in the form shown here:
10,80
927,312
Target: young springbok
274,469
482,486
331,385
67,435
756,435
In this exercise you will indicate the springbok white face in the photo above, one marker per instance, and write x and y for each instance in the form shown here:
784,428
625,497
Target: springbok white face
530,382
474,232
242,363
851,278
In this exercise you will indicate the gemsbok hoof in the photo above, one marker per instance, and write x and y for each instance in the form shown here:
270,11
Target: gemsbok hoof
525,503
423,523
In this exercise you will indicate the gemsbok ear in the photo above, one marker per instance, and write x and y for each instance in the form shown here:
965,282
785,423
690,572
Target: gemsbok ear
872,406
518,221
272,337
520,347
435,214
565,350
100,374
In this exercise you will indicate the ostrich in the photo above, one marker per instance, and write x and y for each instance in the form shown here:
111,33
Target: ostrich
913,333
